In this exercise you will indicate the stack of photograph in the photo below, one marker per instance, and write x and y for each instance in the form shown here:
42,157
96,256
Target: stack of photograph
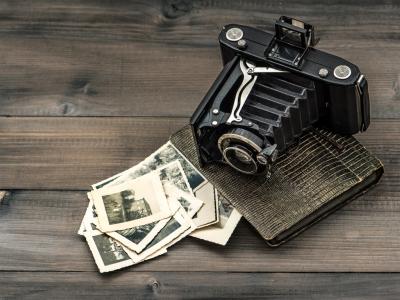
138,214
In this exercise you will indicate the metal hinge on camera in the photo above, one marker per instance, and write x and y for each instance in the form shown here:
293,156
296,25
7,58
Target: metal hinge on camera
249,78
261,70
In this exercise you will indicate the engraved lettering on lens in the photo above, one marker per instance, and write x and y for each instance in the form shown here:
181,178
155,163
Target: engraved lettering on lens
234,34
342,72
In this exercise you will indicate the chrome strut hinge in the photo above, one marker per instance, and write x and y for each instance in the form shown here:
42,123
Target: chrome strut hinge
249,78
261,70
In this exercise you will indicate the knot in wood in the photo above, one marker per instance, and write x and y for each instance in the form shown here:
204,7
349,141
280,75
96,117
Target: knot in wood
154,284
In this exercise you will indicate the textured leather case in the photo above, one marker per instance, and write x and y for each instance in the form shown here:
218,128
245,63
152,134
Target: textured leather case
311,180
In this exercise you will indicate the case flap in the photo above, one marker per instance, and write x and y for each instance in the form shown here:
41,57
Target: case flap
313,178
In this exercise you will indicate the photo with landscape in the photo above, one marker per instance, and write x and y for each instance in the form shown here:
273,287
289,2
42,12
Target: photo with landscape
110,251
124,206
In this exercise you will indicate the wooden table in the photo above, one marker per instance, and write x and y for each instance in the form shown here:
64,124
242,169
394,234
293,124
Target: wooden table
90,88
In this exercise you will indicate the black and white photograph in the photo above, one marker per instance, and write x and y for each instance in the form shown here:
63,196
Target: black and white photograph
134,172
208,214
110,251
189,203
192,227
202,189
126,206
90,219
173,179
168,153
134,203
172,229
179,226
225,211
220,232
173,174
164,155
108,254
88,215
135,238
258,142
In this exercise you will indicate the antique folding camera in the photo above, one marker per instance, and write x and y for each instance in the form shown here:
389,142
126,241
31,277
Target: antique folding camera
272,88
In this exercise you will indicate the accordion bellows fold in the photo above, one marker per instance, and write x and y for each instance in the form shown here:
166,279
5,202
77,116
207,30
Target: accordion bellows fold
312,179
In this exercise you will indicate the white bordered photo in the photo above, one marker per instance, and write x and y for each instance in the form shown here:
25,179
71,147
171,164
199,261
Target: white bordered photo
202,190
220,233
189,203
161,157
199,186
88,210
174,227
135,238
173,231
192,227
134,203
208,214
108,254
173,180
172,174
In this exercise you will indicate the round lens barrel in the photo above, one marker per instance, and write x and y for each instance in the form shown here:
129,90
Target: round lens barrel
240,159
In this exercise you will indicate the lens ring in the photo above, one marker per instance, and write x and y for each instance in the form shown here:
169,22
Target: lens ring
228,137
240,159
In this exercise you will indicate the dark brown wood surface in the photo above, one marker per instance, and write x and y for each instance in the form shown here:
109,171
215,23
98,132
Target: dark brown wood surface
90,88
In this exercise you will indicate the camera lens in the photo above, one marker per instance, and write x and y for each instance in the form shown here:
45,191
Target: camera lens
240,159
239,148
242,156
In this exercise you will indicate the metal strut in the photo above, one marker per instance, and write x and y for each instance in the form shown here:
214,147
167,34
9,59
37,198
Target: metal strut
250,73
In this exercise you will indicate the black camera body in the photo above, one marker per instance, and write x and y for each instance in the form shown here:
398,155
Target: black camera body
272,88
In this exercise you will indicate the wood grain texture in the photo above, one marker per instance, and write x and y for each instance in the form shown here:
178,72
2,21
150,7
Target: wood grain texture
38,233
73,153
170,285
158,58
89,88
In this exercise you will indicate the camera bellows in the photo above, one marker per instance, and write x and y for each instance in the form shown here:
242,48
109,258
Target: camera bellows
282,107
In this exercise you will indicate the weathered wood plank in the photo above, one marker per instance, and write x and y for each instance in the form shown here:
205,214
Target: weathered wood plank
62,153
73,153
158,58
38,233
170,285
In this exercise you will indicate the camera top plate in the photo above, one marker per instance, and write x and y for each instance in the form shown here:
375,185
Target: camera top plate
258,43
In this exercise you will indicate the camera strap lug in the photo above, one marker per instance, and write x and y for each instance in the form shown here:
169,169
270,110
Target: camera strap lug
362,86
